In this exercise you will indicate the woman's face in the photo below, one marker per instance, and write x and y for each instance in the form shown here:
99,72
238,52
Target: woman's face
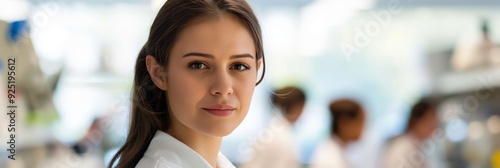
425,126
211,75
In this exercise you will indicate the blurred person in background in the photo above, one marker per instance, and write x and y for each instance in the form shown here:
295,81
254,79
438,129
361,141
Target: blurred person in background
280,151
92,141
193,84
348,121
406,150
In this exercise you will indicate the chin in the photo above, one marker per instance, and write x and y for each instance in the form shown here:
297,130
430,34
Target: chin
219,133
218,130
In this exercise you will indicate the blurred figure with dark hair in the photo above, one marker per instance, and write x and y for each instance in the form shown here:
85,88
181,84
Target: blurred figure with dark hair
290,101
279,150
348,120
406,150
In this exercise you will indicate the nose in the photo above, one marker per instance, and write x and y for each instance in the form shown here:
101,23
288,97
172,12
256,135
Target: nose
222,84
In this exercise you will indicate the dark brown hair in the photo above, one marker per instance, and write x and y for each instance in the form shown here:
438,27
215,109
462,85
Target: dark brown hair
149,103
285,98
418,111
344,109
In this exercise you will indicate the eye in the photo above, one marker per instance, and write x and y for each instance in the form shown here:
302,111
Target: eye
240,66
197,65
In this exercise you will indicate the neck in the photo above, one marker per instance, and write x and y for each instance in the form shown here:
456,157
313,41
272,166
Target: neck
486,36
418,138
206,146
342,141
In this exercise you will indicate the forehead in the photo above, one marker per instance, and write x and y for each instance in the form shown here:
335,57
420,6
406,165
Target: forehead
222,35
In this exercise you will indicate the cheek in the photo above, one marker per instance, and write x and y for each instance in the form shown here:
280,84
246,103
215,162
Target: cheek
357,127
244,90
432,126
184,92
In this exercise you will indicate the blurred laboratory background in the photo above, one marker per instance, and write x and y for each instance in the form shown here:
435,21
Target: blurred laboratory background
363,66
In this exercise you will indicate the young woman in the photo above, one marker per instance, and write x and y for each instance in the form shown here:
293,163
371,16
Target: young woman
194,79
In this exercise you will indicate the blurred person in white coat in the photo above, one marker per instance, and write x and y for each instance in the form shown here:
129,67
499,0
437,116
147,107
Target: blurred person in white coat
406,150
280,151
348,120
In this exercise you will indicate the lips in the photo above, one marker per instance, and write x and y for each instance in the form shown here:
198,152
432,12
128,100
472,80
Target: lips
220,109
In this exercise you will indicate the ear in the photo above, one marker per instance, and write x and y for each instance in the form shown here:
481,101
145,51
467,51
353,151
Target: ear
156,72
259,63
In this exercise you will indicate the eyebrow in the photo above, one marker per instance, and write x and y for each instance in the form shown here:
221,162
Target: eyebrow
211,56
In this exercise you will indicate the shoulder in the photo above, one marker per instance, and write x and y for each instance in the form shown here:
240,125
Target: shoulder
400,146
165,151
223,162
328,148
147,161
401,142
152,162
328,154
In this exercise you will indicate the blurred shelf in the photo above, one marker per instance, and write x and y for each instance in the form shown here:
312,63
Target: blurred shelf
102,80
456,83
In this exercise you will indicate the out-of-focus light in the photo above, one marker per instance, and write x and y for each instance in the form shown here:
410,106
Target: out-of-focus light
451,110
495,159
280,28
494,124
319,18
157,4
455,130
476,130
12,10
84,54
354,4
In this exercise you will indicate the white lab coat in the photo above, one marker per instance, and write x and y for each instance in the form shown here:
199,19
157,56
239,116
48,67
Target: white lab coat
278,150
165,151
404,151
329,154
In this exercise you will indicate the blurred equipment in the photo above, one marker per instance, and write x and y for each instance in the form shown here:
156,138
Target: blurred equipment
481,55
32,98
34,89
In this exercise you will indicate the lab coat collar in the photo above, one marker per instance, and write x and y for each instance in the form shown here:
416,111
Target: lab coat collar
341,144
170,152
